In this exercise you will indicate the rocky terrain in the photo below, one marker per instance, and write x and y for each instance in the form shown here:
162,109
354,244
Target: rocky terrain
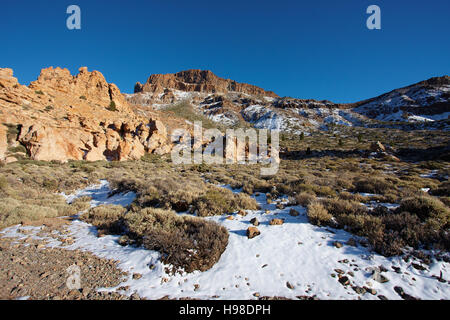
234,104
64,117
359,208
83,117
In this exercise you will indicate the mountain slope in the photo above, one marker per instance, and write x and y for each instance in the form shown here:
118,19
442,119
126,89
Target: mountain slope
233,104
424,101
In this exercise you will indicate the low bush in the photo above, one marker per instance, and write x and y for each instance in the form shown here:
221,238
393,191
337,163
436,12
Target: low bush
217,201
425,208
107,218
184,241
377,185
338,207
304,199
317,214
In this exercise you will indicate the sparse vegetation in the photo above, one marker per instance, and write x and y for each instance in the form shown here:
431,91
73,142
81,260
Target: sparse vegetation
317,214
112,106
328,181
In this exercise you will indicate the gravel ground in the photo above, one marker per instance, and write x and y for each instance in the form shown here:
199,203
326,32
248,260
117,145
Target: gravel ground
30,270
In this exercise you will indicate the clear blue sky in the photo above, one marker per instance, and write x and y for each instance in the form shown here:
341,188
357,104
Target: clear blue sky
317,49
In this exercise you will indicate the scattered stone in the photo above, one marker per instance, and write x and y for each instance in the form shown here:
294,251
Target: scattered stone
124,240
293,213
254,222
403,294
397,269
344,280
242,213
267,211
252,232
289,285
196,287
351,274
230,218
339,271
135,296
359,290
377,147
137,276
280,206
276,222
265,265
377,276
382,297
256,294
370,290
382,268
418,267
337,244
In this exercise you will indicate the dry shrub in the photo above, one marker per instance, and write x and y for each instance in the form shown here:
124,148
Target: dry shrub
304,199
184,241
445,200
13,212
317,214
107,218
425,208
344,195
31,205
217,201
442,190
377,185
81,204
339,207
408,227
322,191
248,188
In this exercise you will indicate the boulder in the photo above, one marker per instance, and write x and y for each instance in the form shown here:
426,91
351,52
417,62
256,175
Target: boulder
276,222
252,232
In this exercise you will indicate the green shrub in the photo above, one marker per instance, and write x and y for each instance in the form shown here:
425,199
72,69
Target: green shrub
112,106
18,149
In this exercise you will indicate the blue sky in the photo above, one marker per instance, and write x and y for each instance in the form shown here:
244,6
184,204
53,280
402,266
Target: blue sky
307,49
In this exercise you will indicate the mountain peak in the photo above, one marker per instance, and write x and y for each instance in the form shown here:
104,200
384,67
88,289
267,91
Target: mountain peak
195,80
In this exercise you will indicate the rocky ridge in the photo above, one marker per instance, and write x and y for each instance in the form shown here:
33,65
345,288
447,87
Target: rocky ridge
225,102
64,117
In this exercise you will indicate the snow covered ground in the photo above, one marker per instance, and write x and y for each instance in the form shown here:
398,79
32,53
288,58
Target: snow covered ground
289,260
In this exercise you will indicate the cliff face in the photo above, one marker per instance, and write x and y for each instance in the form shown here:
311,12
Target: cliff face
197,81
64,117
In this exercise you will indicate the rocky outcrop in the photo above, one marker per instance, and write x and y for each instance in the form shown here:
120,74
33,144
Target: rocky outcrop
197,81
85,85
83,117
